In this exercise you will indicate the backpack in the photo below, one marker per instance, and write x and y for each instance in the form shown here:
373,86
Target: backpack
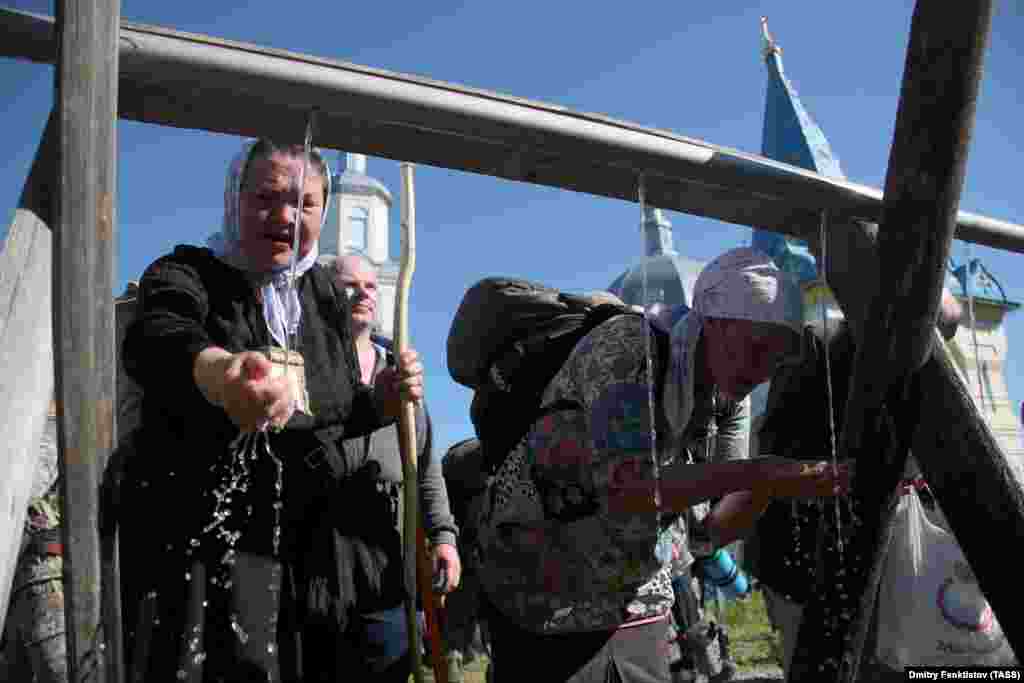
465,481
507,341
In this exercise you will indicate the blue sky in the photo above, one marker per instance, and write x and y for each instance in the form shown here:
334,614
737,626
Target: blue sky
689,67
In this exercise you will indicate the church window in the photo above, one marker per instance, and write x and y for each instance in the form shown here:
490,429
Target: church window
358,227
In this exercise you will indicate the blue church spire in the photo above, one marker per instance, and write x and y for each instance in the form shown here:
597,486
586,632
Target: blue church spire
790,135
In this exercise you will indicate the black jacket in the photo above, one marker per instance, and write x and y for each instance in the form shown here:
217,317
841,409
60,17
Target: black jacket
370,529
280,591
785,548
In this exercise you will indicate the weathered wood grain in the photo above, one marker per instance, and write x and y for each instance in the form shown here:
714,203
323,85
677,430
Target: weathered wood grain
83,310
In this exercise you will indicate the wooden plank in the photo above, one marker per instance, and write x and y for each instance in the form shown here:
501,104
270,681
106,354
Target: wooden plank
976,485
83,279
26,350
415,119
923,184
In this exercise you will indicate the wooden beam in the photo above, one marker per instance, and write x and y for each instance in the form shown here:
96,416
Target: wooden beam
83,309
979,491
26,350
193,81
896,333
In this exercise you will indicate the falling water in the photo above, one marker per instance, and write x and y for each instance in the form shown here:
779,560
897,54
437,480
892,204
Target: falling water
240,632
648,360
841,611
275,565
828,379
307,148
235,481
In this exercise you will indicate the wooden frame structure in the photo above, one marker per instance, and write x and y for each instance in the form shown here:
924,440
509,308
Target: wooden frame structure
160,76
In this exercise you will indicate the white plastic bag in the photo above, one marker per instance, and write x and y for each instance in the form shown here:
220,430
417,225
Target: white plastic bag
931,611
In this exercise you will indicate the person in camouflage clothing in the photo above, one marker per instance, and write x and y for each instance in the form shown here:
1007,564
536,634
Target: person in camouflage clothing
576,558
34,641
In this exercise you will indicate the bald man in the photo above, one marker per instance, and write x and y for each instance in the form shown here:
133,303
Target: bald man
376,644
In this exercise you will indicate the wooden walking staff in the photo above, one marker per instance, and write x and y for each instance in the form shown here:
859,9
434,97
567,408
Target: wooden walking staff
417,565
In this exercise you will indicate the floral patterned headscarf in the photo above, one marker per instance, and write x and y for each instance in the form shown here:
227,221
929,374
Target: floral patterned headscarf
281,308
741,284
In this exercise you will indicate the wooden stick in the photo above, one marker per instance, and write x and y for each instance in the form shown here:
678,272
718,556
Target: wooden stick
407,418
431,608
417,563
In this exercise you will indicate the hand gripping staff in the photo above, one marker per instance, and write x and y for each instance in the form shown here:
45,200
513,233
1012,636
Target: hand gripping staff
417,566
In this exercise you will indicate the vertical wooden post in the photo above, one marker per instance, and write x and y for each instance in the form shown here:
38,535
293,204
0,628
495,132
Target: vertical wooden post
922,192
26,350
83,279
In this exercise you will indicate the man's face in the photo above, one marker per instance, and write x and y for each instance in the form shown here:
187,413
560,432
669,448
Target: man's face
742,354
359,282
268,207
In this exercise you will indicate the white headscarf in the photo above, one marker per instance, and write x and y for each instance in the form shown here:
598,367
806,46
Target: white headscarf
741,284
281,308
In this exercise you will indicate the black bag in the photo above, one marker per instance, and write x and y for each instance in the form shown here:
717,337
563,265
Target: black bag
508,340
463,473
466,480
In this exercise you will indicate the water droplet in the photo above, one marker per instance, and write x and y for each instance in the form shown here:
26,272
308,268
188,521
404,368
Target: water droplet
182,675
240,633
199,658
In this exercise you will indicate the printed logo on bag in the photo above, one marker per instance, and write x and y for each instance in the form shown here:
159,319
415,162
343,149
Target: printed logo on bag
963,606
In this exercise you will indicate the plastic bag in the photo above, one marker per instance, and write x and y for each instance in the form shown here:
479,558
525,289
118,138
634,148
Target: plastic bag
931,611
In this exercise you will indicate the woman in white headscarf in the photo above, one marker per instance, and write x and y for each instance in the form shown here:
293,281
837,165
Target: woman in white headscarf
246,540
576,558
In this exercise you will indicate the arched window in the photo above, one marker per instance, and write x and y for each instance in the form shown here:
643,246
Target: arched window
358,227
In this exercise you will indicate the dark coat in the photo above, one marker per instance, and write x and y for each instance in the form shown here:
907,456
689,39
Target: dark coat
785,547
196,603
370,558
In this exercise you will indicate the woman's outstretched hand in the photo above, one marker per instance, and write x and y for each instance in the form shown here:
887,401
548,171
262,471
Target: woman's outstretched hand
241,384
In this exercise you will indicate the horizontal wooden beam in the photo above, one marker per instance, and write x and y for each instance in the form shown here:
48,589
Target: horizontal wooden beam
193,81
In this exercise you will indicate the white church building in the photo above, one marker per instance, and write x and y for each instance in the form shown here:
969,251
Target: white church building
358,220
